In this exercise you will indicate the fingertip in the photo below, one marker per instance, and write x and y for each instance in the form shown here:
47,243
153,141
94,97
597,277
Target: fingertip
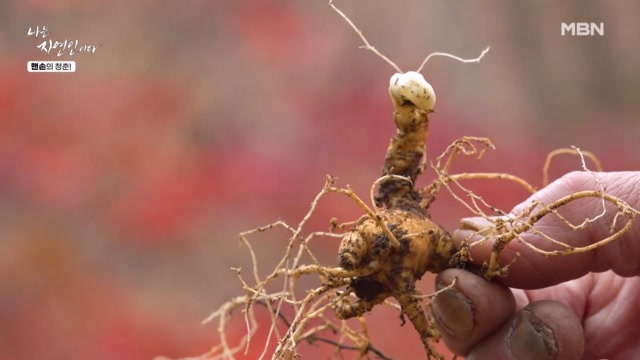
564,325
472,231
472,228
542,330
470,310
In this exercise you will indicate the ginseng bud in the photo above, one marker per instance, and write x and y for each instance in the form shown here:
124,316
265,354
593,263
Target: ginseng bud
411,86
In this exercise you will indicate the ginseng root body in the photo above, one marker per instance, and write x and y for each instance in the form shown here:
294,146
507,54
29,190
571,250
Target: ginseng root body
391,267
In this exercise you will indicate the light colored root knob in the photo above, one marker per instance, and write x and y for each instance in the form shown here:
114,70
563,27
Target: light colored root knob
411,86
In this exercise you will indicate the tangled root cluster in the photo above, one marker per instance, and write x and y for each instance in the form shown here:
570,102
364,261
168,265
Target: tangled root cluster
384,253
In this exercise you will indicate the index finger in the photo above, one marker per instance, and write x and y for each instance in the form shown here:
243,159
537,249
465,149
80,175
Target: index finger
533,270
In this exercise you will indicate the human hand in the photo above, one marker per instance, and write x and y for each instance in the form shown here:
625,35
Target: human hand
584,305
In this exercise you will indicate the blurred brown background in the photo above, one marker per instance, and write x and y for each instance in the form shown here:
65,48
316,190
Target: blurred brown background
123,185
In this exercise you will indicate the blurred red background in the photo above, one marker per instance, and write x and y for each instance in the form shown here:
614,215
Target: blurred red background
123,186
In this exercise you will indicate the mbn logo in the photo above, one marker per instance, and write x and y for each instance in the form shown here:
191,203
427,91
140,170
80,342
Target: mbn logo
582,29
